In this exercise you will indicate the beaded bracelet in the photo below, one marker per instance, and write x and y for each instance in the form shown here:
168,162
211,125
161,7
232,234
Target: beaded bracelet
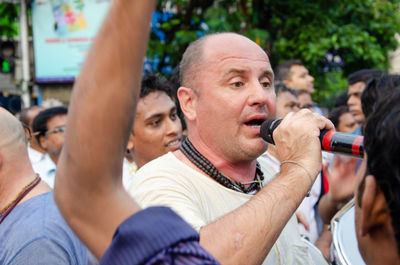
300,165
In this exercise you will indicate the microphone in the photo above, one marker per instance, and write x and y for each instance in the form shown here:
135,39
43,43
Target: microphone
332,141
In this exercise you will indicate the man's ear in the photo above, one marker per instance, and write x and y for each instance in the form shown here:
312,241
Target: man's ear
188,100
131,142
375,213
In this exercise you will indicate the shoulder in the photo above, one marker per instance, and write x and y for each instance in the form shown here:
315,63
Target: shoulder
37,224
142,230
166,171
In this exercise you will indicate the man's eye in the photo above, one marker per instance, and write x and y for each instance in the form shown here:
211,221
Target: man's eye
155,123
173,116
266,84
238,84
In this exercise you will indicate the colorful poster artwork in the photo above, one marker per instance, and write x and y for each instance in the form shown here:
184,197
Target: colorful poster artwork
63,31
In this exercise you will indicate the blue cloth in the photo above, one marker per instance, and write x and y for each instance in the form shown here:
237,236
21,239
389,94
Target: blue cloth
358,131
35,233
156,235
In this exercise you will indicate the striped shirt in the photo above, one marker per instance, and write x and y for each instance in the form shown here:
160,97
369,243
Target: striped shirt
156,235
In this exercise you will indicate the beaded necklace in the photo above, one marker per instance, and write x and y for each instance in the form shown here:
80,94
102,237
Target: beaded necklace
6,210
207,167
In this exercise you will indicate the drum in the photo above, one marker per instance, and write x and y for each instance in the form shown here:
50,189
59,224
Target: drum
344,249
316,255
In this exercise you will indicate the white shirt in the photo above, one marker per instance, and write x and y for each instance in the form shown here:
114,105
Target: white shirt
128,171
46,169
35,156
200,200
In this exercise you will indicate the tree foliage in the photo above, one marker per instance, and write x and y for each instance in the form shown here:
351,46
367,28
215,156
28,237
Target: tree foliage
8,19
332,37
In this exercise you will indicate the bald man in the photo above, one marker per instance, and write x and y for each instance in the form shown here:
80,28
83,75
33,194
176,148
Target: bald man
29,219
215,181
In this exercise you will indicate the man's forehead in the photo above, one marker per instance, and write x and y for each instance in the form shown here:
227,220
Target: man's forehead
232,46
56,119
357,87
297,68
155,103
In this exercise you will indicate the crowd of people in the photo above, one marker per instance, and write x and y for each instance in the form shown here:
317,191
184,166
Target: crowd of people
145,170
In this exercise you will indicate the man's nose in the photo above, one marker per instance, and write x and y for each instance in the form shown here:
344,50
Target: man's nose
173,126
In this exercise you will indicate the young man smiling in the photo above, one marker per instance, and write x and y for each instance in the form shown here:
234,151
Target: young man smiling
157,128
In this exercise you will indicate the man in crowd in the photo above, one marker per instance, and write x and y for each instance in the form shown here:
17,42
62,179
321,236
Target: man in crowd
294,75
49,126
343,120
356,85
26,116
157,128
286,100
227,92
377,196
342,177
32,230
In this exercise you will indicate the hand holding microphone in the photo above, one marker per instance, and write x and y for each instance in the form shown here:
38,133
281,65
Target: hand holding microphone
332,141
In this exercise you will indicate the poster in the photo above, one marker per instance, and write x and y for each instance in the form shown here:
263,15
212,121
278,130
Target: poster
63,31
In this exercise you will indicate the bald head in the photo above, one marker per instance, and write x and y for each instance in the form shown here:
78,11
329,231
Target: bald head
12,134
202,51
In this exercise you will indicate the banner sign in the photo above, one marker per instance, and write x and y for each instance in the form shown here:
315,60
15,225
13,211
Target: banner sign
63,31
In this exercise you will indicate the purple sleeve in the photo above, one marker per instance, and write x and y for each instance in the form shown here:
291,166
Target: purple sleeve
156,235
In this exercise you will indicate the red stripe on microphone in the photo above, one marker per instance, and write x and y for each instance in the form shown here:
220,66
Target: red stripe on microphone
355,147
326,142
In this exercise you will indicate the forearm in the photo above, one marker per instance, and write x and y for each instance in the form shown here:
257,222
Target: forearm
88,187
247,234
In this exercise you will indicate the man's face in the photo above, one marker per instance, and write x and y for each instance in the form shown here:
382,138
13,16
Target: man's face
235,95
347,123
157,127
300,79
305,101
53,141
354,101
286,102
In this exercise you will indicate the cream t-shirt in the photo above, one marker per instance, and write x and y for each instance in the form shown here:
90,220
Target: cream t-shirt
200,200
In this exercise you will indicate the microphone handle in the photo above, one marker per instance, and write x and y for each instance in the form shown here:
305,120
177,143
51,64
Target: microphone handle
331,141
345,143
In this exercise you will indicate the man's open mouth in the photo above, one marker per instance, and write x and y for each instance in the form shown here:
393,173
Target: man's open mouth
255,123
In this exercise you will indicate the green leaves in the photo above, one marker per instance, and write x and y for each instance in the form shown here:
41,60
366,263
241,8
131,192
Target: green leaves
9,19
356,33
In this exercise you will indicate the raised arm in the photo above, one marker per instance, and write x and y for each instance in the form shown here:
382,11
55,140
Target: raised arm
248,233
88,186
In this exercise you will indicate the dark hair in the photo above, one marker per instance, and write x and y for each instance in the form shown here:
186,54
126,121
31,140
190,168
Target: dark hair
282,71
363,76
174,81
39,125
341,100
382,145
152,83
279,88
335,114
376,89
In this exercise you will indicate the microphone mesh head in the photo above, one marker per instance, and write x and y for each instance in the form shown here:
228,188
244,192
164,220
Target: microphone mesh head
267,127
